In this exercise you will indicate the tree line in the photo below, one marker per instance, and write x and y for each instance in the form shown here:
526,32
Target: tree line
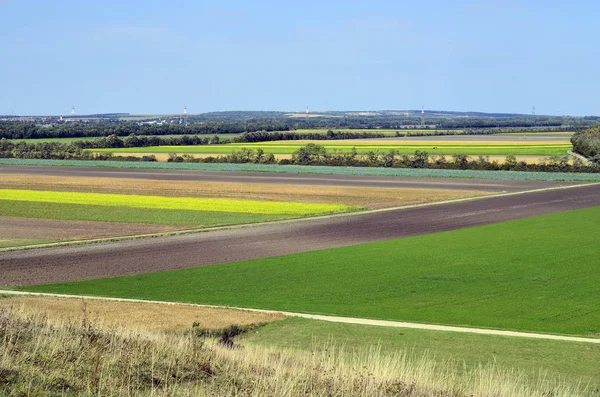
14,130
314,154
587,143
237,124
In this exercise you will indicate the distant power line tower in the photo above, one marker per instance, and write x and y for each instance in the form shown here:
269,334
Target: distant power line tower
422,116
72,112
533,111
307,115
185,115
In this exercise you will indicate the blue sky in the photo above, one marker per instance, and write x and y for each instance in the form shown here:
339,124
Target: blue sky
156,56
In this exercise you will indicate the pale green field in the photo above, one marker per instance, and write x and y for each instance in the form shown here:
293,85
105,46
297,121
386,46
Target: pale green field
439,148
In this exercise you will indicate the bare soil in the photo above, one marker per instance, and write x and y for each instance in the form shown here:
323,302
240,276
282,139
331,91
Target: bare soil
14,228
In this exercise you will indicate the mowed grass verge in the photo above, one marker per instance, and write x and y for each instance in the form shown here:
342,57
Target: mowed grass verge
537,274
288,147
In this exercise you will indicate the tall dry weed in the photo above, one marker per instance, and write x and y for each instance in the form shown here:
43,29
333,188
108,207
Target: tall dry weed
76,358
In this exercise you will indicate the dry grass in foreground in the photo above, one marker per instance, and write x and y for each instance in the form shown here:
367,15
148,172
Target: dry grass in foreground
38,357
134,316
354,196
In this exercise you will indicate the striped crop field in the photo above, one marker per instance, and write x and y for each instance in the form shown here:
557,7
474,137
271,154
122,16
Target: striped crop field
171,203
365,146
40,216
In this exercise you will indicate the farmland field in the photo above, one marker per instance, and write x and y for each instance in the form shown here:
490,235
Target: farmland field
169,203
39,209
322,170
365,146
371,198
522,275
38,216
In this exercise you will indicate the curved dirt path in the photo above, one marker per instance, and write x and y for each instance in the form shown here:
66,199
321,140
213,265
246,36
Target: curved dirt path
337,319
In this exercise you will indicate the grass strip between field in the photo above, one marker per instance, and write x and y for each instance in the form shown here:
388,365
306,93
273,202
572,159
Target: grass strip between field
171,203
538,274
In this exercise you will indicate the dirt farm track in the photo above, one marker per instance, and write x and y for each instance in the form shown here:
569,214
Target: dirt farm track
82,262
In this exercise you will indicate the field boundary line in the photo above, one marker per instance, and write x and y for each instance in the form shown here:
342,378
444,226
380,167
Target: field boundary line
333,319
286,221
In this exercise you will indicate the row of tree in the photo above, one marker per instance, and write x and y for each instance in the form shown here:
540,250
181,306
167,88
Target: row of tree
243,156
15,130
313,154
42,150
237,124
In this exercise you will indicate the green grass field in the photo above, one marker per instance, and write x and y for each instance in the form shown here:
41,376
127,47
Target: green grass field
568,361
288,147
537,274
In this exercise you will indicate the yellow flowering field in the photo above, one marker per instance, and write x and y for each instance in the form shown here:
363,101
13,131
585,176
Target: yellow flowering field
172,203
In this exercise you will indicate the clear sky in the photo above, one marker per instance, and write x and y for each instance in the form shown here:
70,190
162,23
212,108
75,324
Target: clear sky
155,56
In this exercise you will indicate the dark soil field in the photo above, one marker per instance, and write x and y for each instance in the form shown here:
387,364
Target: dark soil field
54,265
